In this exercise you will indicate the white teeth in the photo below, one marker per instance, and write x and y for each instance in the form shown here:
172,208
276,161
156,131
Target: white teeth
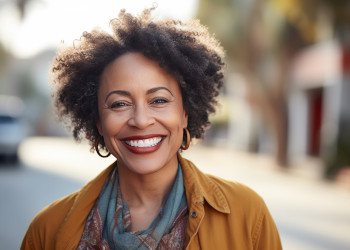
150,142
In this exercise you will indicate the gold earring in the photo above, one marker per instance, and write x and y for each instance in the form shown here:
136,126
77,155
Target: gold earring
188,140
98,151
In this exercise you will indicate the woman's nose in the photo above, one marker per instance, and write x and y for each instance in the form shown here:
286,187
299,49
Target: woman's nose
141,118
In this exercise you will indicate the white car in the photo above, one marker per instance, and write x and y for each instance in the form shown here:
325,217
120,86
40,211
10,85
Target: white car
13,129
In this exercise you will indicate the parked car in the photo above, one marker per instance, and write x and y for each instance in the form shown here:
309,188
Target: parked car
13,128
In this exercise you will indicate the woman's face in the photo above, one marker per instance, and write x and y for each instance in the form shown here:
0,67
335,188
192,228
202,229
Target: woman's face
141,113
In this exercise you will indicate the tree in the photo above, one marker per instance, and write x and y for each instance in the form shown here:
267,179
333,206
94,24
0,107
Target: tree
259,36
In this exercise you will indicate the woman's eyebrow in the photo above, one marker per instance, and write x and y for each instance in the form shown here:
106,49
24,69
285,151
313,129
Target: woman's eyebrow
127,93
119,92
152,90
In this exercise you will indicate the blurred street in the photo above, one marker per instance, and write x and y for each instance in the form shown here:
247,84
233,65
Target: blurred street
311,214
285,96
24,191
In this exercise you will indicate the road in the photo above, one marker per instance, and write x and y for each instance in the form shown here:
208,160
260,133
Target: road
24,191
310,214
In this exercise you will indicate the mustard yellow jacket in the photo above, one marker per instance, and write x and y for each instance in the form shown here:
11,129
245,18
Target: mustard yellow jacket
222,215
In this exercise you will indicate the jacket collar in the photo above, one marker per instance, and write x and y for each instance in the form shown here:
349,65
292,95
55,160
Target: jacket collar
74,221
200,187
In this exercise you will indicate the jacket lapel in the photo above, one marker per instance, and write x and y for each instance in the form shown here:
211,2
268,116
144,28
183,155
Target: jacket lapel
200,187
73,225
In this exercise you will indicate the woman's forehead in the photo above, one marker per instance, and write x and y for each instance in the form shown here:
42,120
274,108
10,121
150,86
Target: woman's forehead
135,70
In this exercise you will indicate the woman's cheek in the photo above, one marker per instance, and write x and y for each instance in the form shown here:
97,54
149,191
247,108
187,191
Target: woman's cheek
113,123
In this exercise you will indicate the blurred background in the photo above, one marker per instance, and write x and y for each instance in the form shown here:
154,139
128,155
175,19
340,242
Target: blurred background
282,125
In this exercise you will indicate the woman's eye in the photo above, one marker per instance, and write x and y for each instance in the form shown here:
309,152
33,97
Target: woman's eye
159,101
119,104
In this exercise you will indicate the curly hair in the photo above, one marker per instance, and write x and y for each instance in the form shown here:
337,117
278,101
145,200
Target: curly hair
185,50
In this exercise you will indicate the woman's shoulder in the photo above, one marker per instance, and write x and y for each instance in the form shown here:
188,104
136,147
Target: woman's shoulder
68,211
56,210
47,222
236,191
248,208
239,207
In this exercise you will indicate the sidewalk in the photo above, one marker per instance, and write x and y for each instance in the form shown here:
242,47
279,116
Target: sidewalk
310,213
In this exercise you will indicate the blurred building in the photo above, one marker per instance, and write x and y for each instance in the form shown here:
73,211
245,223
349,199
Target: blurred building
319,105
318,110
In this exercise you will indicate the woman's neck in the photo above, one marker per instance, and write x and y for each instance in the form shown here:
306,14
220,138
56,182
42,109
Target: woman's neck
145,194
147,190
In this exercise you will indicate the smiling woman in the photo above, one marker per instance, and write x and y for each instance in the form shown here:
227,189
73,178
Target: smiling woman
141,116
141,95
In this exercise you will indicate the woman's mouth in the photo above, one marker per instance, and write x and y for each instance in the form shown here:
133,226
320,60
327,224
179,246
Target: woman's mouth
143,144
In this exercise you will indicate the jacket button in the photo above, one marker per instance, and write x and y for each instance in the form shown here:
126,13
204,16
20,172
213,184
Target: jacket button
194,214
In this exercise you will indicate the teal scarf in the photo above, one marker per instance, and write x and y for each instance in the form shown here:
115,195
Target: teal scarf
109,222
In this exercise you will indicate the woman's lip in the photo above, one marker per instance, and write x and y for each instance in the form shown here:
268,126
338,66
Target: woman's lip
141,137
143,150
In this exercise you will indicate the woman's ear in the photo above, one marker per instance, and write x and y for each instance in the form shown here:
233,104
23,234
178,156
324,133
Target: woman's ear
185,119
99,127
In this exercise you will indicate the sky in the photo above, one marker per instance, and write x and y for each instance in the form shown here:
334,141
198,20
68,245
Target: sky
53,23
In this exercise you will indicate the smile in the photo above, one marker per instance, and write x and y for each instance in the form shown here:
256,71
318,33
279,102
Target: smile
144,143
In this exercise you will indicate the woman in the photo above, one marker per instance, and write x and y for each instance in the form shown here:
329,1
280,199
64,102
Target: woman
141,94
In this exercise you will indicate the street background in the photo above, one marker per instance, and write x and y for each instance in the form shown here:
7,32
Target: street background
282,125
310,213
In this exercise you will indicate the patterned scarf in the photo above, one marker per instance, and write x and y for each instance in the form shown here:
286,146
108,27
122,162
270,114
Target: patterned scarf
108,225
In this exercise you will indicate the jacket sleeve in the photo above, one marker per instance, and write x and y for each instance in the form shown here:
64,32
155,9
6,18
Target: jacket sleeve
266,235
31,241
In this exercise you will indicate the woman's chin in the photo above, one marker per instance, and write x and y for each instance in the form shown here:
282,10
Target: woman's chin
146,168
148,165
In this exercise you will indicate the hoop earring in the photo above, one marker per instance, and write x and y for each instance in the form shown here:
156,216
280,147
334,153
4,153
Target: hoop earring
98,152
188,140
